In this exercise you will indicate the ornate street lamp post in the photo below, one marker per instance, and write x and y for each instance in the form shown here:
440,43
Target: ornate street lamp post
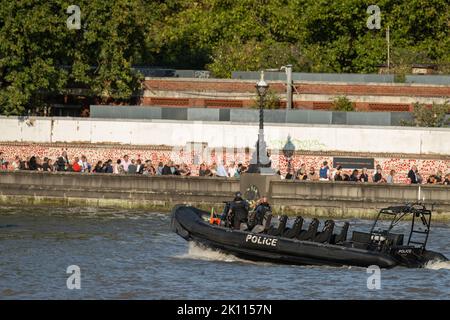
288,152
261,88
260,162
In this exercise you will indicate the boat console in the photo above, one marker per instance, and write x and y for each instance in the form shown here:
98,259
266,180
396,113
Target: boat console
365,240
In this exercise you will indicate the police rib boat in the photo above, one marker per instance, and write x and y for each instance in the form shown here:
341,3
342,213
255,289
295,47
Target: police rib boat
309,246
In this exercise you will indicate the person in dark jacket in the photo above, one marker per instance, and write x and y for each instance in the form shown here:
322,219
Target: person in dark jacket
23,165
202,170
166,170
447,180
139,167
32,164
354,176
132,168
62,163
238,212
108,168
98,167
176,170
364,177
414,175
338,174
263,206
261,209
47,165
378,176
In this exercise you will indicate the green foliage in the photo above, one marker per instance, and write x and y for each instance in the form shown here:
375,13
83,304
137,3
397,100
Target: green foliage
29,40
111,39
40,56
253,55
342,103
433,116
325,36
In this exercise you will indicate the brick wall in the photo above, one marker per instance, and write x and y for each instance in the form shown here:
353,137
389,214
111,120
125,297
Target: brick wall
217,93
375,89
239,86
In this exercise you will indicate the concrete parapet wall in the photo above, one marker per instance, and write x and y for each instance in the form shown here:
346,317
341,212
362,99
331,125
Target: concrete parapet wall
345,197
217,134
118,187
308,198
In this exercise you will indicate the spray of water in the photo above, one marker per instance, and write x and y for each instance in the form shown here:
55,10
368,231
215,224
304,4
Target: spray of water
197,251
437,265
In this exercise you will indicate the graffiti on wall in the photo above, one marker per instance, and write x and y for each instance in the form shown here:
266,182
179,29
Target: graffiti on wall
304,144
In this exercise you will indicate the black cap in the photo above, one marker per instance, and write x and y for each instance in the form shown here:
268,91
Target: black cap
238,195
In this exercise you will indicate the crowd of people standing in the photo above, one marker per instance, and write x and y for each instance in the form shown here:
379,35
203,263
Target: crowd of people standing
123,165
127,165
325,173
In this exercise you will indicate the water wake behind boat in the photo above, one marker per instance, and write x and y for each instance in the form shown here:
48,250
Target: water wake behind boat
197,251
438,265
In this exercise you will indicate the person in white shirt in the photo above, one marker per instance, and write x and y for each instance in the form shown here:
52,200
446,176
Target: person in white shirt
221,171
16,163
125,163
390,177
232,169
84,164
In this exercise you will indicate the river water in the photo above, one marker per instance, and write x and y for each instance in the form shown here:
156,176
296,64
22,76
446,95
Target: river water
127,254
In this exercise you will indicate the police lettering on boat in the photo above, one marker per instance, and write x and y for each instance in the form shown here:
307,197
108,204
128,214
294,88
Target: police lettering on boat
261,240
404,251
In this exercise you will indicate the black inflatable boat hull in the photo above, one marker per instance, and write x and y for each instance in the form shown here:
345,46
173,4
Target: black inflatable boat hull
189,223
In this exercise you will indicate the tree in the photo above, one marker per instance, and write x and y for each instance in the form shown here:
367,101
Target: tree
40,56
426,116
31,39
253,55
103,52
329,36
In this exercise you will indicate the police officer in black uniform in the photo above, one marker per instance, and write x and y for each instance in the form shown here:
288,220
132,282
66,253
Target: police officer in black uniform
261,209
261,217
238,212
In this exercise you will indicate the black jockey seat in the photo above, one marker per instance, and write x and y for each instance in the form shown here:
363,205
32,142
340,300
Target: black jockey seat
342,236
267,221
278,231
295,230
327,232
265,226
312,231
